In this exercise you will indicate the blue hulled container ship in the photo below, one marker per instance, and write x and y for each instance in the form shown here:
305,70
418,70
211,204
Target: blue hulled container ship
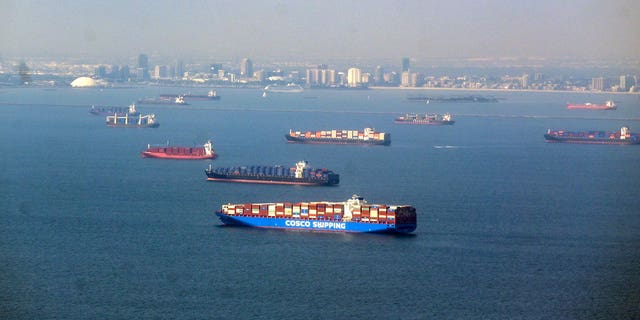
301,174
354,215
593,137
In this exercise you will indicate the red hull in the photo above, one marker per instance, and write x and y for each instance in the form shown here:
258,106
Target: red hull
179,153
262,181
147,154
609,105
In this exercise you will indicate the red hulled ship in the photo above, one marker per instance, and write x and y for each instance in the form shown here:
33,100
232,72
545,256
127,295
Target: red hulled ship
609,105
180,153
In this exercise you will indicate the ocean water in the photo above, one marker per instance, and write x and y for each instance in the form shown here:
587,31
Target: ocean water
509,227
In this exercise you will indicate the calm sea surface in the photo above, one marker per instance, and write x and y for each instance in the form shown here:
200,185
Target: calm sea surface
509,227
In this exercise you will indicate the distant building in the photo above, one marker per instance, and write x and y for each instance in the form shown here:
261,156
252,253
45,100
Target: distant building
597,84
115,72
321,76
214,68
246,68
378,76
143,64
354,77
178,69
625,82
83,82
101,72
405,79
141,74
406,64
124,73
160,72
524,81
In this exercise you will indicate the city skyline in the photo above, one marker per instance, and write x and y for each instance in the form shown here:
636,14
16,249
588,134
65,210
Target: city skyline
323,30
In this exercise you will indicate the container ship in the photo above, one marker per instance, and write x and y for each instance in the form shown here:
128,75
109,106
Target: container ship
353,215
109,110
368,136
180,153
301,174
609,105
426,119
211,95
139,121
179,100
593,137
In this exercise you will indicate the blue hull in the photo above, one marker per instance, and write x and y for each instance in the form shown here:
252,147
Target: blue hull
314,225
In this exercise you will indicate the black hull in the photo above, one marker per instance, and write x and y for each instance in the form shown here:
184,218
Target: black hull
385,142
552,138
332,179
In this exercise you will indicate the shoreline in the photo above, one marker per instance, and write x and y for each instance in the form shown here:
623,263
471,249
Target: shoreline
499,90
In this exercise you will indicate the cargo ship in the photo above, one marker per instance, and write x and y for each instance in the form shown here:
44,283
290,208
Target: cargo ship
126,121
180,153
609,105
179,100
367,136
211,95
354,215
301,174
593,137
426,119
109,110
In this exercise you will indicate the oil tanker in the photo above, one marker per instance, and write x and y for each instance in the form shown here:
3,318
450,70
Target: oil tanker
109,110
367,136
126,121
426,119
301,174
609,105
593,137
180,153
354,215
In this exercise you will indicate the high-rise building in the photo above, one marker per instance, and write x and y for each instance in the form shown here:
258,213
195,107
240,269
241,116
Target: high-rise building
246,68
160,72
353,77
625,82
405,79
178,69
525,81
143,61
378,76
143,65
406,64
597,84
101,72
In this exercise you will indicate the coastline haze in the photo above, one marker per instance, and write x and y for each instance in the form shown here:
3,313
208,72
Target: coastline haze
322,30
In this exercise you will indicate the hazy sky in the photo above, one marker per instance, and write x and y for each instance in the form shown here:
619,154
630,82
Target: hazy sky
322,29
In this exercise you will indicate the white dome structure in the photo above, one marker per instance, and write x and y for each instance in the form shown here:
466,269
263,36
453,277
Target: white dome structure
84,82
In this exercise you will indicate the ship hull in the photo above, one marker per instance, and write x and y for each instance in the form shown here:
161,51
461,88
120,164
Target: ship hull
160,155
190,97
273,179
617,141
314,225
118,125
589,107
428,123
291,139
